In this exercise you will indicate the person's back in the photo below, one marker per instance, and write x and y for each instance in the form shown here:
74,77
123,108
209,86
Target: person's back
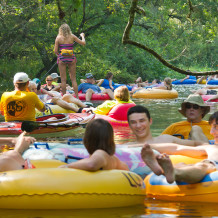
20,104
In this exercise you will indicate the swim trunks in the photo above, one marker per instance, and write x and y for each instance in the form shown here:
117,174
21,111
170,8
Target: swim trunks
211,92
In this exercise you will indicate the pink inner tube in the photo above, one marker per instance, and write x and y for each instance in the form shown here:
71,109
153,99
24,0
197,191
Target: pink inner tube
95,97
117,116
206,97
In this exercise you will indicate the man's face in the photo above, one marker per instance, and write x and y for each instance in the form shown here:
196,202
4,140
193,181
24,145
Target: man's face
140,124
214,131
193,112
90,80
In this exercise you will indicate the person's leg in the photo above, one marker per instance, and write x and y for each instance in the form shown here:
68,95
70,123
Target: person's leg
63,104
201,92
70,99
89,93
109,92
72,72
150,159
197,134
62,68
189,173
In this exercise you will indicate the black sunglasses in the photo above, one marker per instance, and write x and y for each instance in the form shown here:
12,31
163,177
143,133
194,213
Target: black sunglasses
194,106
49,80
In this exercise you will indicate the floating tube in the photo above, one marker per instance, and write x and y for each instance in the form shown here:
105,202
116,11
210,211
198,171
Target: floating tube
212,82
204,81
206,97
205,191
95,97
155,94
63,128
65,188
54,109
186,81
117,116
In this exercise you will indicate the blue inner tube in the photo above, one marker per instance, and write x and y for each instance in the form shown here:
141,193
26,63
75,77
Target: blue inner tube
186,81
213,82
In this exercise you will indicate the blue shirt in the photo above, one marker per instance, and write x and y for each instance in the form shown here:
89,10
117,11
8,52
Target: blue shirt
85,86
106,85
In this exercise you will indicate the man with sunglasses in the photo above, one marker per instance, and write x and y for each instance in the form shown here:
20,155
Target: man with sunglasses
194,109
161,164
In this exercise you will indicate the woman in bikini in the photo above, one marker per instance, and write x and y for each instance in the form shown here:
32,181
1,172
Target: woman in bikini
49,86
65,40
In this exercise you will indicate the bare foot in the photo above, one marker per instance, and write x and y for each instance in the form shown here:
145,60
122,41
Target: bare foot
167,167
149,158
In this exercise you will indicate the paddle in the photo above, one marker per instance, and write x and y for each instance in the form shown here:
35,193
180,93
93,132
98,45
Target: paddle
29,126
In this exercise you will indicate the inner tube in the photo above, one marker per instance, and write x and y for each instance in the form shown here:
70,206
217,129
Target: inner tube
65,188
212,82
186,81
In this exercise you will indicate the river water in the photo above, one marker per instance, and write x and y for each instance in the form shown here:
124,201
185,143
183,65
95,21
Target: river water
163,112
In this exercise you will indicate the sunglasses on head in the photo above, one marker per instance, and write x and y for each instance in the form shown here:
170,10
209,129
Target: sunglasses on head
194,106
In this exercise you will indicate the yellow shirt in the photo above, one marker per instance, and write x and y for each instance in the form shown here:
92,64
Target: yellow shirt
105,107
20,105
184,128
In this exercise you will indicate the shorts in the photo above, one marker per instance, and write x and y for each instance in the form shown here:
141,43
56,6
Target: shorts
211,92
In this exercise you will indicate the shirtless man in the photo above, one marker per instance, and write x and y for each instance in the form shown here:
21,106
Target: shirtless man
12,160
140,121
161,164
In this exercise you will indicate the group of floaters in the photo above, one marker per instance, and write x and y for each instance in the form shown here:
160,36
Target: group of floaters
132,193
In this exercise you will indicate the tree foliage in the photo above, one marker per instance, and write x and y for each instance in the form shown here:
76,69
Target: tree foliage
183,33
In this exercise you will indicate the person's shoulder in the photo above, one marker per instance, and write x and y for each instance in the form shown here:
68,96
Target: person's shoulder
165,138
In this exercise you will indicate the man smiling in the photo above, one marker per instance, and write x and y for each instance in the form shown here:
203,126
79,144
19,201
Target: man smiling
194,109
139,120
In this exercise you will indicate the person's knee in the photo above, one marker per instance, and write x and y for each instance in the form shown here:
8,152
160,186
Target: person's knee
90,91
54,100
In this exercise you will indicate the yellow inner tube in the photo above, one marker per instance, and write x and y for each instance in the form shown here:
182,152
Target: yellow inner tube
64,188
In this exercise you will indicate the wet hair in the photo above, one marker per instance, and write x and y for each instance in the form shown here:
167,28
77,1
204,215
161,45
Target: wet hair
99,134
64,30
168,82
138,109
108,75
121,93
213,117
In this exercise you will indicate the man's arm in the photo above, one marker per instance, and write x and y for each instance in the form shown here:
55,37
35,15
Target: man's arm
171,148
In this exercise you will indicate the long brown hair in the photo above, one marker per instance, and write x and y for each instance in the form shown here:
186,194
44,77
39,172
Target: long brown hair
99,134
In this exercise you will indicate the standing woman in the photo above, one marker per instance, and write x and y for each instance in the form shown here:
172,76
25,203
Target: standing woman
65,40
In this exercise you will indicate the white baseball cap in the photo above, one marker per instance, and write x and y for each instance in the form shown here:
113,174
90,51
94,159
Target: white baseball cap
21,77
54,75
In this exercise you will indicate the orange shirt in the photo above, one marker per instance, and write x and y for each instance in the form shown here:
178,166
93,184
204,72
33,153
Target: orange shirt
184,128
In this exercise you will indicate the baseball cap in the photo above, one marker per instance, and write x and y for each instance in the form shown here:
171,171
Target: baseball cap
54,75
21,77
89,75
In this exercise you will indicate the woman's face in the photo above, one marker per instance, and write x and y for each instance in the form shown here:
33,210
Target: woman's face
49,80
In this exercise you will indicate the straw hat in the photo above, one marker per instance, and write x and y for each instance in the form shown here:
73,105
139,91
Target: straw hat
194,99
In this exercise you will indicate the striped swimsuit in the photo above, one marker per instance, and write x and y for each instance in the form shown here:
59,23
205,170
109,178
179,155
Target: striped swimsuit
66,59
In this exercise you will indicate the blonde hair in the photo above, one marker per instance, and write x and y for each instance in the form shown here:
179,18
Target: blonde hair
122,93
168,82
64,30
49,77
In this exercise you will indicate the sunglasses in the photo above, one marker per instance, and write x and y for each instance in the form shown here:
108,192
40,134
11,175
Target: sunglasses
194,106
49,80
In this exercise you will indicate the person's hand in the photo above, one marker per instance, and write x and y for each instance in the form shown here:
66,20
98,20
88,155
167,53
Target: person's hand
82,34
88,110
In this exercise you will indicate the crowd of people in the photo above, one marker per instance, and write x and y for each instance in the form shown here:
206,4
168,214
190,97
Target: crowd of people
188,137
